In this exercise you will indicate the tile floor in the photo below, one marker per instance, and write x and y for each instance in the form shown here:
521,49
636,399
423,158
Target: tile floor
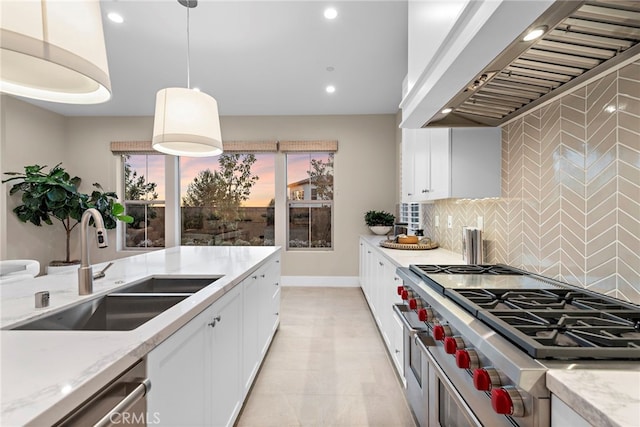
327,366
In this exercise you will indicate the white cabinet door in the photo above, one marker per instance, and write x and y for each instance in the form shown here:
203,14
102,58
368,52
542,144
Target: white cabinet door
269,307
250,331
196,373
407,178
180,373
422,164
453,163
226,349
440,163
562,415
397,350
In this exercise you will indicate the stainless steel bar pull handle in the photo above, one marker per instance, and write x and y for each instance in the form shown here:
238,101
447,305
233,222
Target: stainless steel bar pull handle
398,308
129,400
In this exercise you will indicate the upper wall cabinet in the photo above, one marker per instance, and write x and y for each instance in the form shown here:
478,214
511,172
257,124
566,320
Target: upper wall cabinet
450,42
441,163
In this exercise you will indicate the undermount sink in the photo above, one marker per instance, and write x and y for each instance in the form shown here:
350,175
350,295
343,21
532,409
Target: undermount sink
108,313
166,285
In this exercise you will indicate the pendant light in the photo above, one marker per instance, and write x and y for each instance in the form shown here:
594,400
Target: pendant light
186,121
54,51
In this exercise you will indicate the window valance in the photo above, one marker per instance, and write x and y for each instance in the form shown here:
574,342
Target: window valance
144,147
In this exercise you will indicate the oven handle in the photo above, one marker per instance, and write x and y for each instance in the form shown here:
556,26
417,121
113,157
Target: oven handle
449,385
401,308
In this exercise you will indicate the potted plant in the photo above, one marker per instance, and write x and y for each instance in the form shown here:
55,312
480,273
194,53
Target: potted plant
54,195
380,222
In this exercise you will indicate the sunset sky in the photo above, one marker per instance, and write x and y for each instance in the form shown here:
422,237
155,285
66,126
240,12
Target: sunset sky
152,167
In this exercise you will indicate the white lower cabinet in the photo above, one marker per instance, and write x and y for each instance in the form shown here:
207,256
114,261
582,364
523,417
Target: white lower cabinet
226,365
201,374
180,373
379,283
397,351
562,415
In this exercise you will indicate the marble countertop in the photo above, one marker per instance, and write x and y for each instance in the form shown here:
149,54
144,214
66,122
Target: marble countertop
601,396
46,374
604,398
403,258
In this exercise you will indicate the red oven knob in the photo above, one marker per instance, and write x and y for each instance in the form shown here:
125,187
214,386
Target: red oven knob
415,303
400,289
425,315
506,400
485,379
467,359
440,332
405,295
451,344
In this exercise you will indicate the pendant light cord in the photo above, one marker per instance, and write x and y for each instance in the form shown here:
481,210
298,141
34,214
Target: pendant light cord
188,50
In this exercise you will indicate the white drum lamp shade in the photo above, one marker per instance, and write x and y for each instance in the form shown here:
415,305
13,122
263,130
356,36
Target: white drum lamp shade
53,50
186,123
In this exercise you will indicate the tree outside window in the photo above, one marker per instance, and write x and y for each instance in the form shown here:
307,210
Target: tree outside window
310,201
228,200
144,200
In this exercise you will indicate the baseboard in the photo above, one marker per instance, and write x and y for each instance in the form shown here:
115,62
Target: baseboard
322,281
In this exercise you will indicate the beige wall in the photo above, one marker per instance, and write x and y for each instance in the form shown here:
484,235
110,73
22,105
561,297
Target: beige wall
365,171
570,206
29,135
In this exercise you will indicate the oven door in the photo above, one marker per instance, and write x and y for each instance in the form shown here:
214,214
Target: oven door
447,408
415,364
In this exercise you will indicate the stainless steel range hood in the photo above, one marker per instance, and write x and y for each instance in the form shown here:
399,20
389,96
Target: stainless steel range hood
582,39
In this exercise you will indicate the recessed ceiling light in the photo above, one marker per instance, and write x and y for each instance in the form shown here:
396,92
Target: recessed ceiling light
535,33
330,13
446,110
330,89
330,68
115,17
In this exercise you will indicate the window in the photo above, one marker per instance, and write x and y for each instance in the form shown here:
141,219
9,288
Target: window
228,199
144,200
310,200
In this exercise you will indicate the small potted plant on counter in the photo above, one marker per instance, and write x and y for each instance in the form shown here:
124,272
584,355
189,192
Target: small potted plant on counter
54,195
380,222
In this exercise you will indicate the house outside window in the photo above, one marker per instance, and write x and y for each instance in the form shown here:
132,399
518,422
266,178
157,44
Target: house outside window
144,200
228,199
310,201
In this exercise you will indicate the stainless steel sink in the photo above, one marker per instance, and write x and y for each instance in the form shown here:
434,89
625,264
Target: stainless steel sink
164,285
108,313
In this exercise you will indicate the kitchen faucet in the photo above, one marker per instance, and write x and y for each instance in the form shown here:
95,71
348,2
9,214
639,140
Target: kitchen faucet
85,272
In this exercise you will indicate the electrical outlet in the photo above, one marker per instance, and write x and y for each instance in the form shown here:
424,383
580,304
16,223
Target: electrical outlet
449,221
437,220
480,223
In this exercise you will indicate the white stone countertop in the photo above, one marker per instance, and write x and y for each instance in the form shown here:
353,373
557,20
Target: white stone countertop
46,374
601,396
403,258
604,398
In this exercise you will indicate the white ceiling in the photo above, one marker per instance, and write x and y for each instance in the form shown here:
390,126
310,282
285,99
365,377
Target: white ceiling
255,57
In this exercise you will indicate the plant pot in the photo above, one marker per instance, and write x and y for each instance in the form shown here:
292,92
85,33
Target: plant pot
380,229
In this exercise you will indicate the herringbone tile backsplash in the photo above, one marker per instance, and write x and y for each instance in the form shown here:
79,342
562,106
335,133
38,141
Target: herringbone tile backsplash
570,205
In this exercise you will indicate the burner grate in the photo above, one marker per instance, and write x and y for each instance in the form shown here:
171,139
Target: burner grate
464,269
557,323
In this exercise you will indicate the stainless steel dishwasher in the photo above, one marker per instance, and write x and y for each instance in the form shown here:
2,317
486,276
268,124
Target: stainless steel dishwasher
121,402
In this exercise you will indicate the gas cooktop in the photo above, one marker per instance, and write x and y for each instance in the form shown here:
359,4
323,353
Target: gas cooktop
557,323
545,318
